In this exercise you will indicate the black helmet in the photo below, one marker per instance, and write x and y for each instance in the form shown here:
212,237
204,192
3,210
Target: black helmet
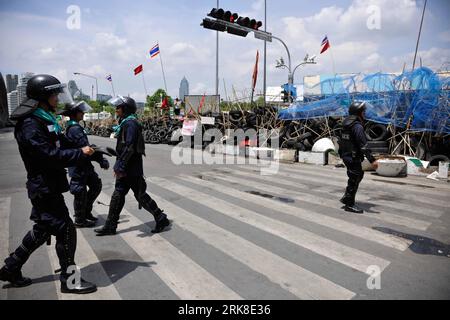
72,108
42,86
356,108
126,103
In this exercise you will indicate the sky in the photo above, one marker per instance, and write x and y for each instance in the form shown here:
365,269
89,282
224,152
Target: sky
114,37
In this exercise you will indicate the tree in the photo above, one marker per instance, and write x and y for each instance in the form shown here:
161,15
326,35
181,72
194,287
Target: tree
156,98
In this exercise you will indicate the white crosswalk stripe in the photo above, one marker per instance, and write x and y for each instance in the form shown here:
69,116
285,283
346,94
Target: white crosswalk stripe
330,249
325,179
421,209
324,201
5,209
301,282
330,222
185,277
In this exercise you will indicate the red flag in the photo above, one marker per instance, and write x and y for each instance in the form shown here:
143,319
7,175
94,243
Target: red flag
255,71
201,103
138,70
325,45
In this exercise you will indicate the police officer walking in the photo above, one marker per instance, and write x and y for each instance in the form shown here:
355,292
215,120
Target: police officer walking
352,149
128,169
82,176
38,136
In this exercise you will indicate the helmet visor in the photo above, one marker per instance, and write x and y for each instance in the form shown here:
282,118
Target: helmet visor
64,96
83,107
117,101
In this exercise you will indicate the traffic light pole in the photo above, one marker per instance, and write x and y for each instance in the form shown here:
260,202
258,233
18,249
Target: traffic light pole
290,74
262,35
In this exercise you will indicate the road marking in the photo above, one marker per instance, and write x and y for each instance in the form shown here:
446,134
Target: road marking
330,222
422,210
5,210
350,257
336,176
324,201
332,182
291,277
186,278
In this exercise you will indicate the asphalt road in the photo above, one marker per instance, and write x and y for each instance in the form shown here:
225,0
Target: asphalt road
240,234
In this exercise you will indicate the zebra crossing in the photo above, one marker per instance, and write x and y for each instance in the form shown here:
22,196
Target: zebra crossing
236,234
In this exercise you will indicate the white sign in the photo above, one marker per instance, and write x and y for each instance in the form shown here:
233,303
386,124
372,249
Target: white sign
208,120
189,127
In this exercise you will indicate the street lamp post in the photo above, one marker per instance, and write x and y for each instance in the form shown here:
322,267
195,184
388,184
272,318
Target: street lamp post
291,73
92,77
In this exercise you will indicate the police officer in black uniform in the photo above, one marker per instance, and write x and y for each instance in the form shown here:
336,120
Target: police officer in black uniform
38,136
352,149
128,169
82,176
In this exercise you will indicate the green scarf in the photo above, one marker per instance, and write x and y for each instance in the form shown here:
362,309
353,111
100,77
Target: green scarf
47,116
117,128
71,123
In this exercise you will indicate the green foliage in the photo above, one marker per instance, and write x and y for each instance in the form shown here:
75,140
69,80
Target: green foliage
156,98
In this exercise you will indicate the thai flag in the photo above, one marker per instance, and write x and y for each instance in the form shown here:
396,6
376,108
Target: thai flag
109,78
325,45
154,51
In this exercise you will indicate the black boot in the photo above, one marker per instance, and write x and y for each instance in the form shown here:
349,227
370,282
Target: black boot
105,231
84,287
80,206
90,217
15,278
161,221
79,223
115,207
354,209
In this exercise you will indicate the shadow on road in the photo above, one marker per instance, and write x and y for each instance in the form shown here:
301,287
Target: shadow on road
420,245
115,269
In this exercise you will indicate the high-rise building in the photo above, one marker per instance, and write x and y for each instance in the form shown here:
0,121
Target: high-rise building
12,80
184,89
13,101
103,97
73,88
22,87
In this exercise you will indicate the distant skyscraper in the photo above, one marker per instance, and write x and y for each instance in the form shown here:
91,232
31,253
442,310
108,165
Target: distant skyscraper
11,82
103,97
22,87
13,101
73,88
184,88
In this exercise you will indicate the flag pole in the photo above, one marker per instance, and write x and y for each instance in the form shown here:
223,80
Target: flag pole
145,87
162,68
112,85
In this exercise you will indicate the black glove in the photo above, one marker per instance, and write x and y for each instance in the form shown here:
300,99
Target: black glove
104,164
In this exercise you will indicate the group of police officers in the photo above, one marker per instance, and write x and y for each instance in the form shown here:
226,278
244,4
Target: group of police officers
46,151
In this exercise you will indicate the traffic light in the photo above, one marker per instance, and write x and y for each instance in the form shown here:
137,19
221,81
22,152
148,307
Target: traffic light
208,24
230,18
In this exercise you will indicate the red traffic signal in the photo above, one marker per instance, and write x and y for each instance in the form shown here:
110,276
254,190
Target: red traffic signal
255,24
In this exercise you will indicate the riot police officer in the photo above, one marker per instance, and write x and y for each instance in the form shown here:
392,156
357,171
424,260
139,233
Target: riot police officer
82,176
352,149
128,169
38,136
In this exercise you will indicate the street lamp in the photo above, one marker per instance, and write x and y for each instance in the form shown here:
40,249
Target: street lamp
282,65
92,77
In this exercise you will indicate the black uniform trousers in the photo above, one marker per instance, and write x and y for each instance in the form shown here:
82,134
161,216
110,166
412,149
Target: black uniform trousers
355,175
51,217
123,185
